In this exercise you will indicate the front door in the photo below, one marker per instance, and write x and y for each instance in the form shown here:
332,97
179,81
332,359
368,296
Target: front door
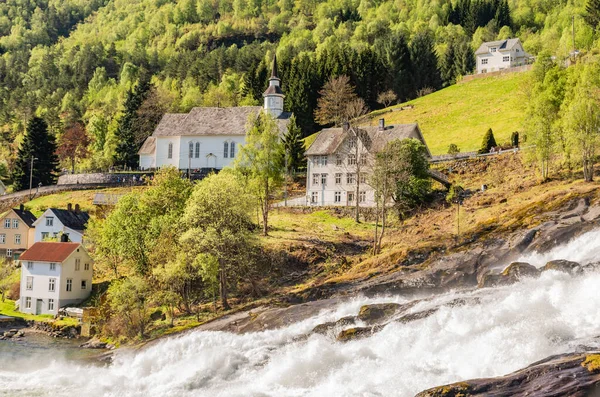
38,306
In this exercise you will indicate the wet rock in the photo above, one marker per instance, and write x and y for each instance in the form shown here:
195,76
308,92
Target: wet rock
94,343
357,333
492,279
326,327
573,375
416,316
520,270
562,265
378,312
10,333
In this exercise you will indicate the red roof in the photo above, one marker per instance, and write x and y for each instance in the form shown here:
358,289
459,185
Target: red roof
49,252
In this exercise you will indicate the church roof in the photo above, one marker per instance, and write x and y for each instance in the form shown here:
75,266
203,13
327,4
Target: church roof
274,71
149,146
329,140
273,89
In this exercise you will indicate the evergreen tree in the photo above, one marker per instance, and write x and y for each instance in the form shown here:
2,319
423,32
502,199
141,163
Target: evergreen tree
592,13
448,69
126,150
293,147
488,142
40,145
395,56
502,16
464,58
424,62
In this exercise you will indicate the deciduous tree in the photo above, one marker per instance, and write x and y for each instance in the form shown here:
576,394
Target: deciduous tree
73,144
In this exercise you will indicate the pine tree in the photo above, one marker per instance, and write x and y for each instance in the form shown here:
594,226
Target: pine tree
395,56
424,62
293,147
488,142
126,151
448,69
464,59
592,13
41,146
502,16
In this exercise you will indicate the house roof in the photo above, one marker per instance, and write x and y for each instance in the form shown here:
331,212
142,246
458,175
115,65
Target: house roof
149,146
26,216
49,252
329,140
502,45
75,220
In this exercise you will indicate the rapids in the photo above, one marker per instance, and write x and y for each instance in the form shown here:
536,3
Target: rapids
504,330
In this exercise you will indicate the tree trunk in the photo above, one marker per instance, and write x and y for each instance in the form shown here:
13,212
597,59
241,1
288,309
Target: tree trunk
73,165
266,209
223,289
382,228
376,224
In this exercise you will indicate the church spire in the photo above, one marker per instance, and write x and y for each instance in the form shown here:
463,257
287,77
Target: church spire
274,95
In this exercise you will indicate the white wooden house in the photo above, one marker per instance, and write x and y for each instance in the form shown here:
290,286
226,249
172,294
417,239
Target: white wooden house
55,222
498,55
53,275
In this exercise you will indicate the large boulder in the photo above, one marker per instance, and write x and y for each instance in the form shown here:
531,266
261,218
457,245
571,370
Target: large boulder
493,279
324,328
520,270
357,333
562,265
378,312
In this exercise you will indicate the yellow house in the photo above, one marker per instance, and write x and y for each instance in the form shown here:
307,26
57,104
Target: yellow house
16,232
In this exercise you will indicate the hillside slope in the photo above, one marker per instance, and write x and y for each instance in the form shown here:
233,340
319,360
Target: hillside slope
462,113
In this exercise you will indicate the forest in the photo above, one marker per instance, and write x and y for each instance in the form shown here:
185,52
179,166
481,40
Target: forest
103,72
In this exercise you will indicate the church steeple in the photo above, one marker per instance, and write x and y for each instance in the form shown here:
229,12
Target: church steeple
274,95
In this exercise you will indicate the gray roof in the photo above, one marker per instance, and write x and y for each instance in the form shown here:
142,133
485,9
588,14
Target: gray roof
26,216
169,124
500,44
76,220
273,89
149,146
329,140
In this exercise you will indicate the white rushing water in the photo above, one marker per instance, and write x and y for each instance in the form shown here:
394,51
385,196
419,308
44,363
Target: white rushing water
505,329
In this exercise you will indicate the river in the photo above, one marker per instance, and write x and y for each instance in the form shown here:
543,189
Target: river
499,331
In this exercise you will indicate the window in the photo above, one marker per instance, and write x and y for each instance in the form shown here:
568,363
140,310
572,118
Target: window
321,161
493,49
9,253
52,285
29,283
518,50
315,179
351,159
7,223
337,197
2,238
506,59
69,284
225,149
232,150
77,264
314,196
484,61
338,179
338,160
363,160
49,221
350,197
197,154
86,267
323,179
53,266
362,197
191,150
15,223
83,284
363,178
29,265
350,178
352,142
170,151
17,239
45,236
28,303
50,304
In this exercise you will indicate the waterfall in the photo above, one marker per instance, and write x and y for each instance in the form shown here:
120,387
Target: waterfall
499,331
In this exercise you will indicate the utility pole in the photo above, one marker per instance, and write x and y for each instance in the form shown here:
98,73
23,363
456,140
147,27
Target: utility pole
190,164
31,177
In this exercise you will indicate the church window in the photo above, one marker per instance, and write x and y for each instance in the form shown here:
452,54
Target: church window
191,151
170,151
232,150
225,149
197,154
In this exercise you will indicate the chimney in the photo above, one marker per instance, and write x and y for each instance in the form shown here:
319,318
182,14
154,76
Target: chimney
381,124
77,209
64,238
22,207
345,126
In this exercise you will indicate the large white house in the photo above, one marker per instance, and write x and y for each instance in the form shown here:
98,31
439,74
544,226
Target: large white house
208,137
54,275
55,222
502,54
340,160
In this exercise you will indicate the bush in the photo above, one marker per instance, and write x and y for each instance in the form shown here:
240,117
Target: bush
14,292
453,149
488,142
514,139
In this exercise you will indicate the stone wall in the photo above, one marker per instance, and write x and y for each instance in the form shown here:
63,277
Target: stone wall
97,178
517,69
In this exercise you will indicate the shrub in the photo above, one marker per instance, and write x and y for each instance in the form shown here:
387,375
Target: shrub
453,149
488,142
514,139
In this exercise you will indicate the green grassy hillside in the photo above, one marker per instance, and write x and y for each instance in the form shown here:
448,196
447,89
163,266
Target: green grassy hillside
462,113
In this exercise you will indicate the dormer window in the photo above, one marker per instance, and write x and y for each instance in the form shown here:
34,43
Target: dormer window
493,49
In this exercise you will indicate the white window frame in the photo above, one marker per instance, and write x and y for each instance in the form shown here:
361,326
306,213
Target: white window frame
29,265
506,58
2,238
69,285
339,160
324,179
50,304
191,150
232,149
484,61
493,49
362,196
337,197
86,267
17,239
350,197
338,178
225,149
351,178
351,159
15,223
53,267
51,284
197,150
7,223
50,221
29,283
27,302
170,150
84,284
314,197
8,253
315,179
363,177
45,235
77,264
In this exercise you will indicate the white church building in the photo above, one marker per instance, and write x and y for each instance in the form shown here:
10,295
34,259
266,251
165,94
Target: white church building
209,137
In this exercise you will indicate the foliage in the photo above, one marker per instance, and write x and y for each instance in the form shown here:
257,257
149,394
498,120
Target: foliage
488,142
130,299
592,13
514,139
416,189
453,149
41,146
387,98
73,144
293,147
333,105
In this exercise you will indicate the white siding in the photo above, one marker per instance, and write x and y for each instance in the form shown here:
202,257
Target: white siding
54,230
495,60
147,161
